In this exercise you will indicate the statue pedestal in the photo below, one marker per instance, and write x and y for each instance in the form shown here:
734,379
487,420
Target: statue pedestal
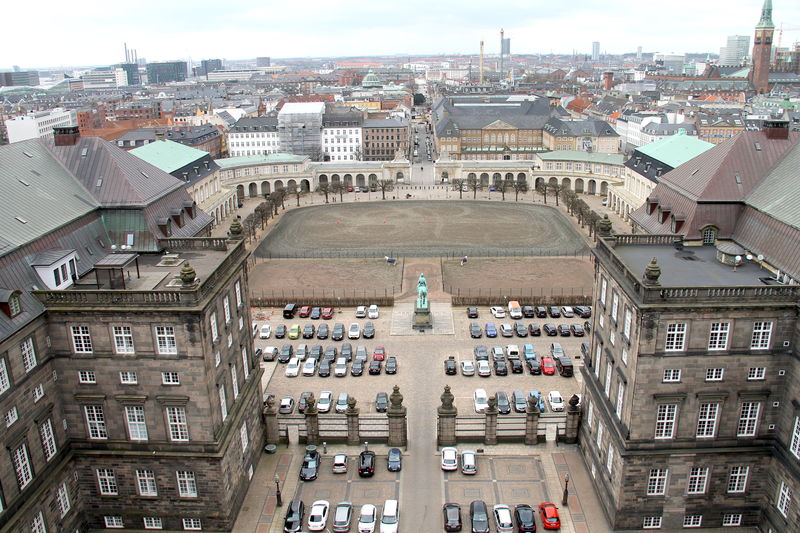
422,318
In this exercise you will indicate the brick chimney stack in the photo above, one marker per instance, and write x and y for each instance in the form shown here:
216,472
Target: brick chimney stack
608,80
66,135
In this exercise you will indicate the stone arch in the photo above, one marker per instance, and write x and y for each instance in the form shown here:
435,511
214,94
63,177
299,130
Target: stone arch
335,178
323,178
360,180
264,187
521,177
239,192
553,181
278,184
539,182
305,185
291,185
566,183
472,176
484,179
445,175
578,185
496,177
348,180
509,176
252,190
398,176
603,187
373,179
592,187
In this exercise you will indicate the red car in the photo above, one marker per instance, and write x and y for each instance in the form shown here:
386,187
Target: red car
548,367
327,313
379,354
548,512
305,311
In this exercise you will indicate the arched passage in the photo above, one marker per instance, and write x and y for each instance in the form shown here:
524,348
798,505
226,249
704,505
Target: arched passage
521,177
240,192
471,176
252,190
291,185
305,185
578,185
335,178
592,187
399,176
484,179
323,178
264,188
278,184
539,183
373,179
509,176
566,183
553,182
496,177
348,180
603,187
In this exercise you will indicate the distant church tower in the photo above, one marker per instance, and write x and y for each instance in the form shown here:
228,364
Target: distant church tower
762,48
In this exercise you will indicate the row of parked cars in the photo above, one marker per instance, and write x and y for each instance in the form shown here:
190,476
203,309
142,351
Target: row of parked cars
510,359
325,402
326,313
521,330
310,361
322,331
540,311
518,401
504,518
309,469
341,517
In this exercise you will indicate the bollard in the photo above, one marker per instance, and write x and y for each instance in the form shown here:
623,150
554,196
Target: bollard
324,447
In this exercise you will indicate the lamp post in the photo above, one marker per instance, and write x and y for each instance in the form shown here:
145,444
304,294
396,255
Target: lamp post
278,490
566,490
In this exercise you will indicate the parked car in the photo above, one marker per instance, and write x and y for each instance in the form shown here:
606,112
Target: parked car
302,403
528,352
556,401
449,459
567,311
266,331
587,327
324,402
563,330
341,402
484,370
506,330
450,368
347,351
564,366
391,365
452,517
292,368
550,329
366,464
481,353
316,313
556,350
520,400
534,367
469,462
361,354
305,311
310,467
368,331
528,312
354,332
525,517
520,330
324,369
500,368
390,516
367,518
583,311
322,332
480,400
294,331
338,332
475,330
318,515
516,366
361,311
585,349
539,400
577,330
502,518
308,331
286,405
503,405
374,368
357,368
498,353
280,331
269,353
491,330
381,402
472,312
548,366
293,522
372,312
479,516
342,515
534,330
548,512
497,312
394,460
379,354
541,311
316,352
554,312
327,313
467,368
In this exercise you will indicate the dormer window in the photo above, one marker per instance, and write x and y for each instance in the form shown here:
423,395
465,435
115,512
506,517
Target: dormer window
14,306
10,302
652,203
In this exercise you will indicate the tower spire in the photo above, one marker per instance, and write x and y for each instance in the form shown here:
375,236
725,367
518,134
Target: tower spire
766,16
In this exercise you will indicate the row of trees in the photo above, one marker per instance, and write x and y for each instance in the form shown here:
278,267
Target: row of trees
339,188
502,186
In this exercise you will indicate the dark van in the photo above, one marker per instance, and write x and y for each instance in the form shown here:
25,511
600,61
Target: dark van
289,311
564,366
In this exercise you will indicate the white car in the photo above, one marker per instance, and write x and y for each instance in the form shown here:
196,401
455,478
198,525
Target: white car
340,370
556,401
449,459
309,367
270,353
301,352
324,402
390,519
293,368
481,400
502,519
484,370
498,312
341,402
318,516
367,518
467,368
361,311
266,331
372,312
354,332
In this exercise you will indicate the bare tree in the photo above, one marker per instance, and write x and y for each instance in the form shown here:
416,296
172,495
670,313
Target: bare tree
501,186
541,188
385,185
249,225
520,187
458,185
568,197
262,212
474,185
337,187
280,196
298,192
324,189
593,219
556,189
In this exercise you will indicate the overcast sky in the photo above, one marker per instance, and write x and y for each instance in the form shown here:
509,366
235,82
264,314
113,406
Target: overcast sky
53,33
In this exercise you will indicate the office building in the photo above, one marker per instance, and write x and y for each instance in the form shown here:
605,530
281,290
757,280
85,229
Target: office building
19,78
210,65
735,52
38,124
595,51
263,62
341,134
166,72
132,71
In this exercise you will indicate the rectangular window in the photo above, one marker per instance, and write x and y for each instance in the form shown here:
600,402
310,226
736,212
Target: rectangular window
589,414
38,392
756,373
217,359
87,376
5,383
192,524
693,520
737,481
214,332
626,329
128,378
107,482
620,397
238,289
152,522
114,522
784,499
226,307
651,522
718,336
657,482
610,458
244,438
123,339
707,420
187,486
762,332
48,439
676,337
598,352
714,374
601,320
12,415
794,445
614,306
137,427
95,421
81,340
698,478
178,427
28,354
748,419
170,378
665,420
609,368
37,524
603,287
599,440
245,364
624,356
612,337
731,519
165,340
146,483
672,375
62,497
234,382
22,465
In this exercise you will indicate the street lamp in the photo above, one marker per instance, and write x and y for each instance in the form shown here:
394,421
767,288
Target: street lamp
278,490
566,490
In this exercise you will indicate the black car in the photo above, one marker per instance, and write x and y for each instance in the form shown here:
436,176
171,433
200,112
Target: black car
381,402
308,331
587,327
310,467
394,461
452,517
315,352
375,367
475,330
322,331
479,516
315,313
450,366
481,353
280,331
302,403
534,330
357,368
500,367
563,330
554,311
368,331
576,330
472,312
366,464
503,405
338,332
583,311
520,329
551,329
541,312
324,368
528,312
294,517
534,367
330,354
286,353
347,351
516,366
391,365
524,516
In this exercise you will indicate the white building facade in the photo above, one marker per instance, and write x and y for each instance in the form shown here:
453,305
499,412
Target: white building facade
38,124
253,136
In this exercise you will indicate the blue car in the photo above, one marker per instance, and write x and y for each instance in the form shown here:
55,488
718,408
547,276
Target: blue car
491,330
539,400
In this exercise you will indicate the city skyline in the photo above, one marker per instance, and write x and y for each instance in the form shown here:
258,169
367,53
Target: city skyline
245,29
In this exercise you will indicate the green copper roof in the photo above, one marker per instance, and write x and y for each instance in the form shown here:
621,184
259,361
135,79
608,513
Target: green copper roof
585,157
676,149
766,16
262,159
167,155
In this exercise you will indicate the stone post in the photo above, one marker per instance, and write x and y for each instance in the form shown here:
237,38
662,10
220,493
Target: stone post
398,430
312,421
272,434
531,421
490,435
446,430
573,420
352,422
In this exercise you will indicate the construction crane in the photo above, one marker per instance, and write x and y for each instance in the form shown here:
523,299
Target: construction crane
780,33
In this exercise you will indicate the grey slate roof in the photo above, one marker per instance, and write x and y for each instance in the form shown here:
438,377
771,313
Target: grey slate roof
577,128
655,128
778,194
474,113
384,123
255,124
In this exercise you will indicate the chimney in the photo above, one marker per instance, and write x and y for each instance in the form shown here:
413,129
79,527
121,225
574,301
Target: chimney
776,129
608,80
66,135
